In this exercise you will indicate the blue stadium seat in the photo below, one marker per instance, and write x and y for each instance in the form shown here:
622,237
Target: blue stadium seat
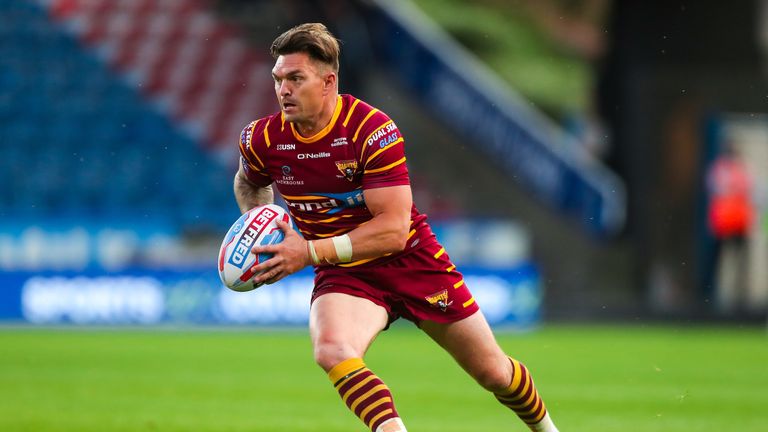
103,150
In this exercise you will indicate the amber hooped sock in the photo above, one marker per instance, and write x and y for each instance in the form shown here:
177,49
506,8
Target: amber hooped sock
366,396
522,397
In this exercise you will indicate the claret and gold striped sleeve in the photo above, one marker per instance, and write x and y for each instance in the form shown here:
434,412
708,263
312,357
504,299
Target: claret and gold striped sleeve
382,153
252,145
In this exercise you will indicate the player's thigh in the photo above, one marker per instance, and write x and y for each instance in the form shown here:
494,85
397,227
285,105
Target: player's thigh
344,324
471,343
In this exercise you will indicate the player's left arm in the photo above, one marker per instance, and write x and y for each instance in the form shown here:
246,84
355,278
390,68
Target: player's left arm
387,231
386,190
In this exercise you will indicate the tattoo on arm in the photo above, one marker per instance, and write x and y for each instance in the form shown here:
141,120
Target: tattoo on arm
249,195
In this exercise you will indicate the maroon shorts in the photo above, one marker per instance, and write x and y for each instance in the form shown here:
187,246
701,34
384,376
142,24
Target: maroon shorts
421,285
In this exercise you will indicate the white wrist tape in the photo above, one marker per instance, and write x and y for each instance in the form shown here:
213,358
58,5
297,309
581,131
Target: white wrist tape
343,246
312,253
330,250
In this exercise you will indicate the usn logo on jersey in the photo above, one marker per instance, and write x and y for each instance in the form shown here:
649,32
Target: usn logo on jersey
325,203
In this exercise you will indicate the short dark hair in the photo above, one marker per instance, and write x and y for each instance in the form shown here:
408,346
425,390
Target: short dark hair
314,39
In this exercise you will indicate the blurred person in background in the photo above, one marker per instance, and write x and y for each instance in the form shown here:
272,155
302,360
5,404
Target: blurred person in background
730,217
339,164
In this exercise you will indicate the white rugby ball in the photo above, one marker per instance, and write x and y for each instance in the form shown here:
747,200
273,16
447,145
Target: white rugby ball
257,226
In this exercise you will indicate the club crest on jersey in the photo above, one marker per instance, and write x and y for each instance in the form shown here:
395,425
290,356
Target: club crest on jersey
439,300
347,168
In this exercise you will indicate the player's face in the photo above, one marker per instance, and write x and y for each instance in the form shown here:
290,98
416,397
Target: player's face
301,86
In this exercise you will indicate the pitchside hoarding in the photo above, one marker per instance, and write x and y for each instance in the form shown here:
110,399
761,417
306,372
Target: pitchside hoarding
508,298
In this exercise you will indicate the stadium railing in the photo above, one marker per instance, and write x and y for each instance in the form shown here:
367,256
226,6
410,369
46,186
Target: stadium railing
474,102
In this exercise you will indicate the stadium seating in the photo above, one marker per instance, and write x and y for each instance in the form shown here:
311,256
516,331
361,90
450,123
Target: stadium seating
77,141
119,108
193,64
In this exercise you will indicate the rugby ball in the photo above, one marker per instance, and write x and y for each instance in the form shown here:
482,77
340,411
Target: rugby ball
257,226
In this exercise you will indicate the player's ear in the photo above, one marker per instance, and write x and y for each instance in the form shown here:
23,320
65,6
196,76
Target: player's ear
329,83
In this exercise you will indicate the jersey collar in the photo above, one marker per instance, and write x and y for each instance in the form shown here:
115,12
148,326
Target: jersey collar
325,130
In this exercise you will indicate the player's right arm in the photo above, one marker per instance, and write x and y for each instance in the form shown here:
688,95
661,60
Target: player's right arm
250,195
253,186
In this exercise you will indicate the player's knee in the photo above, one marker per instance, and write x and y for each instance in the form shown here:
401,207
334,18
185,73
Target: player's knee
330,353
493,377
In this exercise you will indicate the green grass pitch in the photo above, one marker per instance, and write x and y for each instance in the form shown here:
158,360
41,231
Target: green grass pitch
593,378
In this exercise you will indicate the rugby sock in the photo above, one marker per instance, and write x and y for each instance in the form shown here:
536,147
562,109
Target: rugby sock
522,398
366,395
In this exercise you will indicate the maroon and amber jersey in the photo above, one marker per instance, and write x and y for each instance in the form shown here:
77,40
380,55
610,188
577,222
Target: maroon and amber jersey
322,177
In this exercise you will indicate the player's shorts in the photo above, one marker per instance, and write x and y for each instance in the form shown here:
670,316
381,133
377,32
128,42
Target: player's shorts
420,285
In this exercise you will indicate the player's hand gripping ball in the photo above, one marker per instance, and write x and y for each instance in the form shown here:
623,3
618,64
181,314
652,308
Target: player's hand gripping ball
256,227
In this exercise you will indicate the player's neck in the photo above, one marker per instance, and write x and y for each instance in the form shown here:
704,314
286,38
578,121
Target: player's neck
314,125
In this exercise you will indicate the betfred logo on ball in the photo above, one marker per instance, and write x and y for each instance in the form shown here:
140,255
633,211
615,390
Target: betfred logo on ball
251,232
256,227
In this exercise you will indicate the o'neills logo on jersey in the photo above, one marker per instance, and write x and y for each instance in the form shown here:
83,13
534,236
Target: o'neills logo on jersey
313,155
439,299
347,168
285,147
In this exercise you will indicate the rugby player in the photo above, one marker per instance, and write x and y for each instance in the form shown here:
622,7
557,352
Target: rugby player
339,164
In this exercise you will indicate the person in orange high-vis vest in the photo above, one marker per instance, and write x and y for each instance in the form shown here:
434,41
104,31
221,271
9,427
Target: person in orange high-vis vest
730,216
